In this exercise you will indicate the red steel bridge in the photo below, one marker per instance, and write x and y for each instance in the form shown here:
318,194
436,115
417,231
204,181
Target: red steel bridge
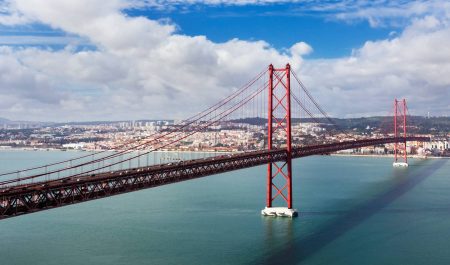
276,119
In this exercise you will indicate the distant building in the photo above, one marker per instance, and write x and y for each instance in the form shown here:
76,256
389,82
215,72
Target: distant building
77,146
437,145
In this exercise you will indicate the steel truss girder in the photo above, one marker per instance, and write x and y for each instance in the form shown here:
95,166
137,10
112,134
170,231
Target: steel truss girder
51,194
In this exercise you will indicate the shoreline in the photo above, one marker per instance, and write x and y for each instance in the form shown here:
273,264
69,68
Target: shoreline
222,152
101,150
389,156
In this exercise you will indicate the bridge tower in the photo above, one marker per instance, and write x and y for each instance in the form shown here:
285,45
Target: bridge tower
400,154
279,175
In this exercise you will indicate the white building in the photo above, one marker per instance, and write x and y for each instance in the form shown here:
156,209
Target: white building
77,146
437,145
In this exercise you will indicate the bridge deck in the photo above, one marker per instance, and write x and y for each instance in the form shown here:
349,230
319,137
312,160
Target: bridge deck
40,196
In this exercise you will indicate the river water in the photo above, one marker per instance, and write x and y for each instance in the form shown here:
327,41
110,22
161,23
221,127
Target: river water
353,210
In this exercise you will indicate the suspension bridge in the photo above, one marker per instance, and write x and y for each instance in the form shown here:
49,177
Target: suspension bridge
269,111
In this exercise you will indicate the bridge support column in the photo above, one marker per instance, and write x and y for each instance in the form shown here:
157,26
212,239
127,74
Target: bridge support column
279,175
400,154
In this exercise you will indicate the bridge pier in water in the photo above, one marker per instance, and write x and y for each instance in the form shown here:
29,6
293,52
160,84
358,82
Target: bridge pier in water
279,174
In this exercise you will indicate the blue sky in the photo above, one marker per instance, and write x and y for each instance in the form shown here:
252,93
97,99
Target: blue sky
65,60
277,24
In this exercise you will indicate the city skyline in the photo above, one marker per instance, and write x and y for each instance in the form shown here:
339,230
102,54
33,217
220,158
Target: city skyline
130,60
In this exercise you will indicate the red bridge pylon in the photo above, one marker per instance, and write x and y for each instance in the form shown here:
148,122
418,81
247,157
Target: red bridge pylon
400,154
279,175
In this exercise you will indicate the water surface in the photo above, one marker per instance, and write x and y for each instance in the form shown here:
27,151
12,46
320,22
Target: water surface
353,210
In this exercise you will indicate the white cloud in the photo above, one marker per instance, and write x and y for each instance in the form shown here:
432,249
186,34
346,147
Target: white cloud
394,13
301,48
140,69
378,13
41,40
413,65
144,69
10,15
170,3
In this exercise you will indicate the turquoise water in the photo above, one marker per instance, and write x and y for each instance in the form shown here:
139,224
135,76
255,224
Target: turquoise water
353,210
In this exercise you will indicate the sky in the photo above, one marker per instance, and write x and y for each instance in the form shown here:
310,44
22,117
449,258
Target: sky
65,60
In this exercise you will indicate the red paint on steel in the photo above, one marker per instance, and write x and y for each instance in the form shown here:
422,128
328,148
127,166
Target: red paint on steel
288,135
279,104
269,137
400,147
395,129
39,196
404,130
